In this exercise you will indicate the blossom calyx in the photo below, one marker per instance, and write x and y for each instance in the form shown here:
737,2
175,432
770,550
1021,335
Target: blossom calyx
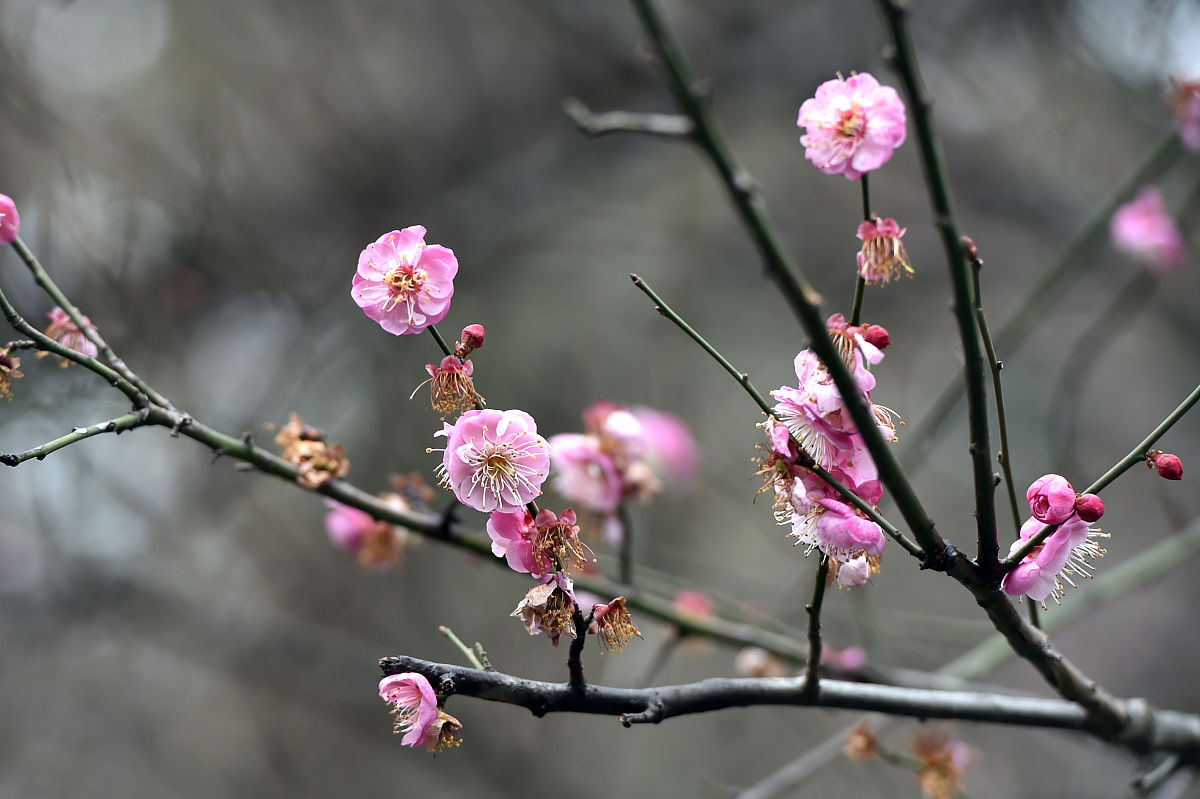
1167,465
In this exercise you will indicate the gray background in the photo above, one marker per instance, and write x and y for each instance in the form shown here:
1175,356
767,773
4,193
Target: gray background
200,178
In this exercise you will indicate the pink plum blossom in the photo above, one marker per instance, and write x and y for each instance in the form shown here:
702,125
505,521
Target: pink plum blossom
852,125
694,603
1144,230
854,572
404,284
1185,101
494,460
347,526
841,532
414,704
67,333
1068,550
512,534
1051,499
669,446
584,473
10,220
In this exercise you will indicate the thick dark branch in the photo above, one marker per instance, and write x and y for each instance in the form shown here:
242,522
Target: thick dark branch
671,126
1154,730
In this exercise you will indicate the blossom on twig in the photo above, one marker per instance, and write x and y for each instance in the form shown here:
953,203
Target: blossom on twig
404,284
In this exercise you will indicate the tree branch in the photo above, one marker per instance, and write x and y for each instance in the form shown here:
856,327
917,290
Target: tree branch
669,126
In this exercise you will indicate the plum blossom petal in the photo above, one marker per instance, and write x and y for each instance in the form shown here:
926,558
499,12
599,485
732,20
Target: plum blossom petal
494,460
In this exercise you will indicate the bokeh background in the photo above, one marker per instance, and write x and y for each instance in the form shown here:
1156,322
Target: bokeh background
200,178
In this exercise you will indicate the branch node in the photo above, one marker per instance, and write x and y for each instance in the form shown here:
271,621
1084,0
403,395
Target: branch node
9,460
653,714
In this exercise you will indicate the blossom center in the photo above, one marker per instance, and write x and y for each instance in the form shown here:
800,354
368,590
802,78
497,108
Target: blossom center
503,468
851,122
405,281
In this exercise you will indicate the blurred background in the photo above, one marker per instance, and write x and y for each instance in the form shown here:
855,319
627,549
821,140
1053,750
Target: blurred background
200,178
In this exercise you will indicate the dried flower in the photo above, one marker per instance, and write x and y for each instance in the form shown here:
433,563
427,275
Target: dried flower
304,447
852,125
1167,465
471,339
1144,230
549,607
63,330
10,220
753,661
613,625
378,544
451,389
943,763
10,367
494,460
404,284
882,257
861,743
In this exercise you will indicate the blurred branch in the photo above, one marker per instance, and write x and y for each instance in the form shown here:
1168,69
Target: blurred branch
1077,255
595,124
1156,730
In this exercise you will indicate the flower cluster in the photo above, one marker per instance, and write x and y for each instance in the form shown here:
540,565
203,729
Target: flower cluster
404,284
624,453
1069,549
304,447
852,125
811,425
63,330
1143,229
417,713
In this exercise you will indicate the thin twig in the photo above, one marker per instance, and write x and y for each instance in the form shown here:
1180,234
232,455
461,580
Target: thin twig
860,282
468,653
119,425
812,672
670,126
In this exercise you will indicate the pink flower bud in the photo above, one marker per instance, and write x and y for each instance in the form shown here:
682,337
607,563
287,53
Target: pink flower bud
1089,507
10,220
1051,499
472,339
1167,465
876,335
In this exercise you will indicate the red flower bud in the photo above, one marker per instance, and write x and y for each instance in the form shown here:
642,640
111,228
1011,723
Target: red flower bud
1167,465
1089,507
472,339
876,335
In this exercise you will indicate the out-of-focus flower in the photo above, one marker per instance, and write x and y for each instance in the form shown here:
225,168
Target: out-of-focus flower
10,220
585,474
694,603
852,125
63,330
549,607
304,447
944,761
1185,102
851,658
1068,551
861,743
471,339
378,544
414,705
10,367
752,661
494,460
1144,230
882,257
1167,465
451,388
404,284
854,572
668,445
613,625
1051,499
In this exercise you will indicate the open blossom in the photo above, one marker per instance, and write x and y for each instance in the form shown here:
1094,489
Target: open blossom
1185,102
63,330
494,460
852,125
512,533
378,544
549,607
1068,551
584,473
404,284
882,257
1144,229
10,220
417,715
